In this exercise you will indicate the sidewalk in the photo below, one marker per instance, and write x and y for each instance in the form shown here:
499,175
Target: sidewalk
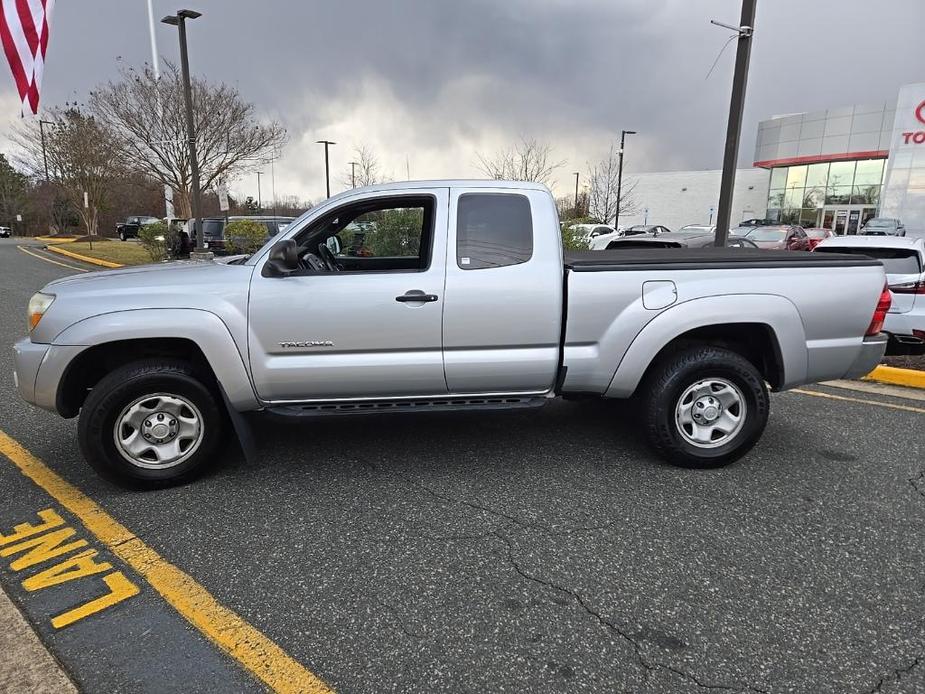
26,665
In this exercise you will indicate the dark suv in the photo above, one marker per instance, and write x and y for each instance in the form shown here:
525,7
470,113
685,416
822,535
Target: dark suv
130,227
213,229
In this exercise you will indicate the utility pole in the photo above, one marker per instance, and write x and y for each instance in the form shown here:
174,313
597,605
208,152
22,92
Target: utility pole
42,124
736,106
179,20
616,218
577,174
353,174
327,168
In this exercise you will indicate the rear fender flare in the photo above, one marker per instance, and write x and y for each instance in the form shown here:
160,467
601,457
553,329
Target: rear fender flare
774,311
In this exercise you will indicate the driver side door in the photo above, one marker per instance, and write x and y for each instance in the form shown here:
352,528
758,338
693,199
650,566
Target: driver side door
360,332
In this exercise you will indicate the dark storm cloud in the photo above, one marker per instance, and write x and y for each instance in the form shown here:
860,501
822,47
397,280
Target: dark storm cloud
550,68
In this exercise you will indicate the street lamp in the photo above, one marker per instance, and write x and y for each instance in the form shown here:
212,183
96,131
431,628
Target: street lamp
577,174
623,134
179,20
353,173
327,169
42,124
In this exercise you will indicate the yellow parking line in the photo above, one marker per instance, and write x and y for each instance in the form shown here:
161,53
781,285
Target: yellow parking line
254,651
889,405
49,260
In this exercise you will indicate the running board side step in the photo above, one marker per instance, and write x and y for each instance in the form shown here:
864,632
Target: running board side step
322,409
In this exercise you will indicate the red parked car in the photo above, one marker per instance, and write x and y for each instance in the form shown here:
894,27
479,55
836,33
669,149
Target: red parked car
783,237
817,235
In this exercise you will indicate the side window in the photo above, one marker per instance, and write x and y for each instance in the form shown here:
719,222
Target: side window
376,235
493,230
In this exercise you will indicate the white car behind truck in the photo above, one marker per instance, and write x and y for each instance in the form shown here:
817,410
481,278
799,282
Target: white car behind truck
904,262
458,295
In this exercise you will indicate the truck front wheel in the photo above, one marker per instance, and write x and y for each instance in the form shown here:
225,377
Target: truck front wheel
704,407
150,423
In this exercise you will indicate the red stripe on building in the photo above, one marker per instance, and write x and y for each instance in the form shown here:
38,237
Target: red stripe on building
822,158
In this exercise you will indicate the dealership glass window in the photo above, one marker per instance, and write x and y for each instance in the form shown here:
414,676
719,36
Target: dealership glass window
793,197
837,195
779,177
865,195
814,197
776,198
841,173
817,175
796,177
869,172
808,217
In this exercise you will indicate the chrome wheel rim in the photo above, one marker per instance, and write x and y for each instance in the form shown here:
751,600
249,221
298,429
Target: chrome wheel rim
710,413
158,431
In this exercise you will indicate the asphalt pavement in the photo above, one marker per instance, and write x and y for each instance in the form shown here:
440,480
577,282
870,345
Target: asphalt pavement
507,552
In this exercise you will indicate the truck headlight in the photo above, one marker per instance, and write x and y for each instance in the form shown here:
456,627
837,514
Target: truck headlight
38,304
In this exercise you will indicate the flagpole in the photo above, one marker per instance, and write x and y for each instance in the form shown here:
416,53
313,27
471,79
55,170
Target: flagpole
155,64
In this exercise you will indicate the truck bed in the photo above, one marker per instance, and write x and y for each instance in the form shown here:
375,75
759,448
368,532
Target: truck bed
706,259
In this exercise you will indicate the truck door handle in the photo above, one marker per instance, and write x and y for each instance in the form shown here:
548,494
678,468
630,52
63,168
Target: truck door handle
416,295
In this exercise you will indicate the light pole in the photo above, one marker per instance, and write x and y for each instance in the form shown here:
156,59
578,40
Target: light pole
577,174
353,174
734,128
327,168
179,20
42,124
616,218
152,35
258,190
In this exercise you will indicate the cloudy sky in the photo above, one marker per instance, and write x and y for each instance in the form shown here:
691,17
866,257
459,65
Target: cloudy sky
428,84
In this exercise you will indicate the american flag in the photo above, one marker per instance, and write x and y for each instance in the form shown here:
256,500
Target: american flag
24,32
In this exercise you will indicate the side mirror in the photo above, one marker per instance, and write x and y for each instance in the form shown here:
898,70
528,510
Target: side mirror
283,259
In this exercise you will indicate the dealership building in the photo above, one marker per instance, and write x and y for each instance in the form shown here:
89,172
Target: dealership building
834,169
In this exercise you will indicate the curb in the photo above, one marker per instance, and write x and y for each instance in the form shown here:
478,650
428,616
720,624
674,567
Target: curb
910,378
83,258
52,239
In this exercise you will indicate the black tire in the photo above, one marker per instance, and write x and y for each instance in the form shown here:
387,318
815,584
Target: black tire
668,381
119,389
122,236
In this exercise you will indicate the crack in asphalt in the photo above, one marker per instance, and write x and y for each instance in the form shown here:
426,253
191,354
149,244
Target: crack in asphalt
649,666
895,676
915,482
397,617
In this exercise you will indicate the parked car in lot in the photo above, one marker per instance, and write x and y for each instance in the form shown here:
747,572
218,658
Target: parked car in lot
904,263
601,242
5,232
213,228
758,223
678,239
132,225
705,228
883,226
783,237
591,231
464,299
815,235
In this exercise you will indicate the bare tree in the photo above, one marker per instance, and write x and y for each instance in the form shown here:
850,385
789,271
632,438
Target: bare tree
82,159
367,170
528,160
148,119
602,195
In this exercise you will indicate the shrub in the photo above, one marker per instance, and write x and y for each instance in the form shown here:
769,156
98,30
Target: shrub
244,236
155,238
572,240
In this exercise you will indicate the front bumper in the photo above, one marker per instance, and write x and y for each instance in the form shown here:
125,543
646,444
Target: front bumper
872,351
27,358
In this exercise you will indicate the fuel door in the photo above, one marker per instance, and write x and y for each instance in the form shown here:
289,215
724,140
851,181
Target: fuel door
659,294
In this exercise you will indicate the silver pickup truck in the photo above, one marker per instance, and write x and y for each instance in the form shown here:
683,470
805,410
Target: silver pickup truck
440,295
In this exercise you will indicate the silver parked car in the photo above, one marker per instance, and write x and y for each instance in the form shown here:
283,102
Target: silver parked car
883,226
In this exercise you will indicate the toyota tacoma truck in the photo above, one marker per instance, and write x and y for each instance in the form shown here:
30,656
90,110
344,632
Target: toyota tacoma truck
432,296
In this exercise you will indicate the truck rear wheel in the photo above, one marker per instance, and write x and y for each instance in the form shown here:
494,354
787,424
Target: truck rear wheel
150,423
704,407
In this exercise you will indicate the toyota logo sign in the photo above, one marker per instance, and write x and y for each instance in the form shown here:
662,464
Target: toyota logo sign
916,137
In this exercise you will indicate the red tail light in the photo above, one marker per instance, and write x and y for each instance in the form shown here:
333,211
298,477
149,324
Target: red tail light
908,288
883,306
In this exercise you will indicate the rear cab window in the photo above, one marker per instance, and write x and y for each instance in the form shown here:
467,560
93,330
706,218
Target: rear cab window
493,230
